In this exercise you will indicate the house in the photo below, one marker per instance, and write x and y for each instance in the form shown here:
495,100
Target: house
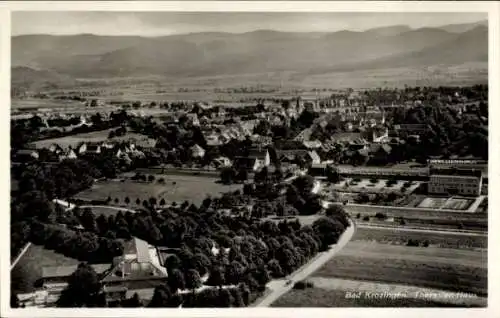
197,151
312,144
68,154
138,269
222,162
348,126
193,119
55,148
93,149
455,181
256,159
27,155
314,157
81,149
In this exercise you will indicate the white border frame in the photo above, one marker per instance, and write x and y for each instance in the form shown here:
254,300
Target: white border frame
493,10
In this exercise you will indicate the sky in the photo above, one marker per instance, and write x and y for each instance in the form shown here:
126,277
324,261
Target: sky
167,23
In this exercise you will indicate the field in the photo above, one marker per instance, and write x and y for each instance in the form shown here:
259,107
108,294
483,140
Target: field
325,297
445,269
458,204
432,203
366,186
96,136
19,104
29,268
390,236
175,189
379,271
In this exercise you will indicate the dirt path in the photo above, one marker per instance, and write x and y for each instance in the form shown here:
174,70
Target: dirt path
279,287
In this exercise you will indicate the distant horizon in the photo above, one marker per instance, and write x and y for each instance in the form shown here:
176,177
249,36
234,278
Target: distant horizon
162,24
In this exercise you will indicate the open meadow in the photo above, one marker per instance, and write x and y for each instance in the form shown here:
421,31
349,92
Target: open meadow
95,136
175,188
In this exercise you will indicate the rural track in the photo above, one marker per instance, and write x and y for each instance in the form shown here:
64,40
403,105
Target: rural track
279,287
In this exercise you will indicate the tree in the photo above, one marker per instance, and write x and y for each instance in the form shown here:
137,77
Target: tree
176,280
152,201
202,263
162,202
83,288
138,201
151,178
234,273
328,230
242,175
193,279
88,220
216,276
227,175
161,297
275,268
117,200
332,174
127,200
133,302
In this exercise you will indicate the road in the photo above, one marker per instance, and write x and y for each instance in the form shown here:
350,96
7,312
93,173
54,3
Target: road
14,263
108,207
279,287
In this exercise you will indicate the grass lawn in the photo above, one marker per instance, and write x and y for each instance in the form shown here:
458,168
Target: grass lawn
445,269
95,136
176,188
391,236
319,297
29,268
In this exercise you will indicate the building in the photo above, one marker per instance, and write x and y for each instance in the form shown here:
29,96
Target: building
455,181
197,151
27,155
138,270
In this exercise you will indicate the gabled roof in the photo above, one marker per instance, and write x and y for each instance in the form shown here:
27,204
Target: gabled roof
65,271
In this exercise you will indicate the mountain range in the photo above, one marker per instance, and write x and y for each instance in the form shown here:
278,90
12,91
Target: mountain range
62,58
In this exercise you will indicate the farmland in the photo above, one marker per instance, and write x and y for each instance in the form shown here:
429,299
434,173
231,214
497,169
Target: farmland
447,269
326,297
175,189
400,270
29,268
390,236
96,136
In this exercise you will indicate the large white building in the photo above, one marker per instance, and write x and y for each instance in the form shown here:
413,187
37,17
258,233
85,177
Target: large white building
455,181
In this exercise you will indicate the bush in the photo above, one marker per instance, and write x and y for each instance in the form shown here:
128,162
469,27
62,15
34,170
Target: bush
380,216
374,180
358,215
402,221
412,242
366,218
303,285
425,243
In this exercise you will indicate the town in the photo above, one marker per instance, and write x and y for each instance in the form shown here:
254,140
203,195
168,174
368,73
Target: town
194,204
218,159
